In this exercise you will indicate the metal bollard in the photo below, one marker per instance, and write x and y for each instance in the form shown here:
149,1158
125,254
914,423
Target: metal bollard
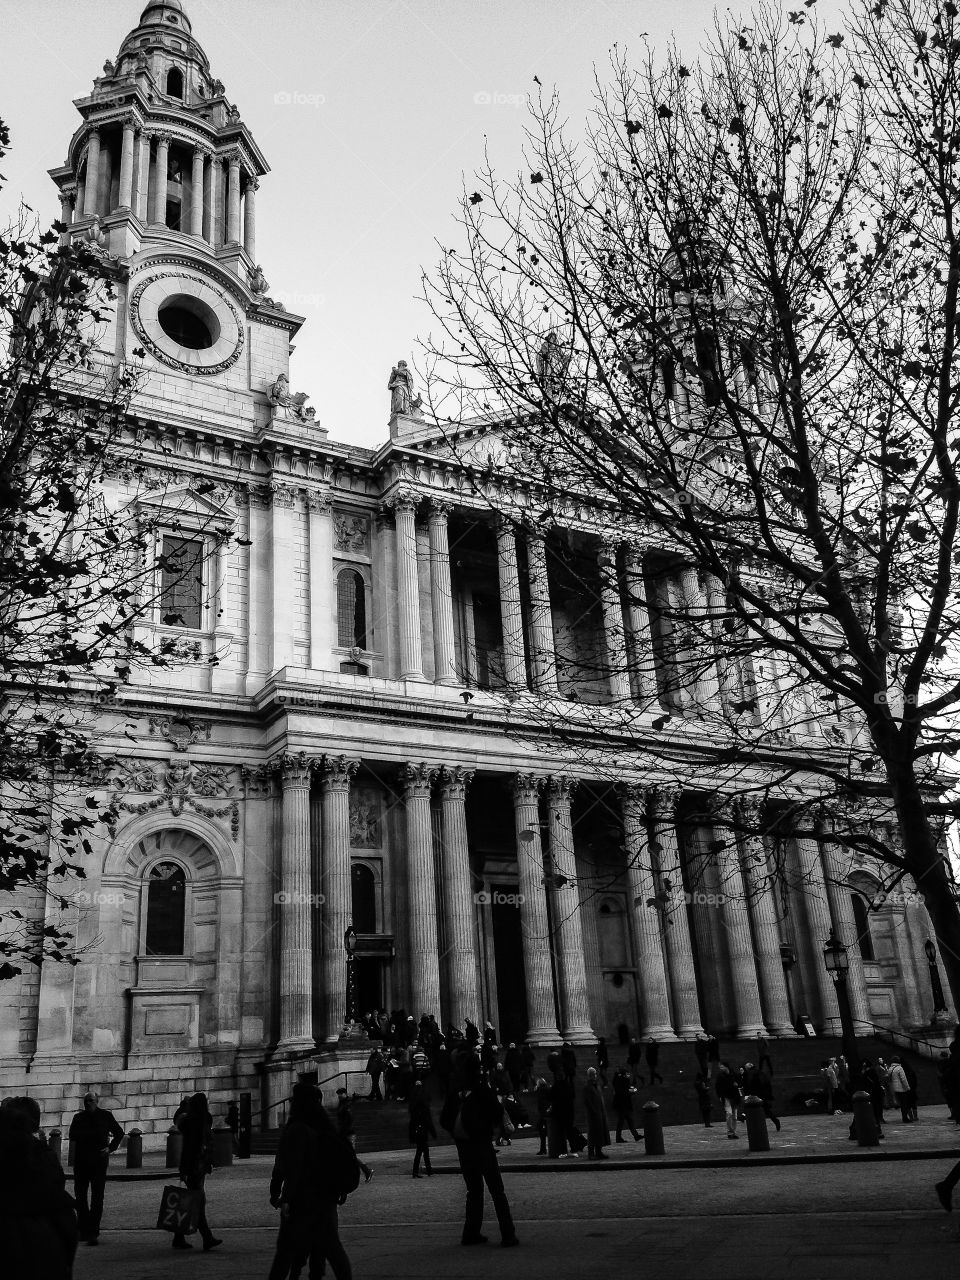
135,1149
757,1135
652,1129
222,1148
244,1135
864,1121
174,1148
55,1143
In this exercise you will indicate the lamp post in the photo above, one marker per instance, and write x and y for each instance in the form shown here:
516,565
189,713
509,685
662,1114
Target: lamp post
837,960
940,1013
350,946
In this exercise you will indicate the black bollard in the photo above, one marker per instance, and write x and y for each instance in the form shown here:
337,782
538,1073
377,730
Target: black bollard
174,1148
222,1148
757,1135
864,1121
244,1134
55,1143
652,1129
135,1149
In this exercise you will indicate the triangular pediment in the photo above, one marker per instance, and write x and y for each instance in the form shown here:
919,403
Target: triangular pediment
208,504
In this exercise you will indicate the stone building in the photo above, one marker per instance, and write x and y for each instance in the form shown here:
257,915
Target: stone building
369,747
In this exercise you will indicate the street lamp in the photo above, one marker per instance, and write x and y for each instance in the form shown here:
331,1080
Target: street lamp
837,961
939,1000
350,946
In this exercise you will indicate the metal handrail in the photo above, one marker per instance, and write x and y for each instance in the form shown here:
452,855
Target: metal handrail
284,1102
904,1039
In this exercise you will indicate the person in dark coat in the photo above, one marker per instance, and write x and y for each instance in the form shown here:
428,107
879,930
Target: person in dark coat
513,1066
421,1128
598,1130
196,1154
728,1091
527,1062
760,1085
623,1104
374,1070
603,1060
471,1117
38,1225
95,1134
562,1106
568,1059
652,1055
542,1095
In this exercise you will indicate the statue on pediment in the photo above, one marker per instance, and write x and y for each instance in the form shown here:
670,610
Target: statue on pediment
400,386
293,404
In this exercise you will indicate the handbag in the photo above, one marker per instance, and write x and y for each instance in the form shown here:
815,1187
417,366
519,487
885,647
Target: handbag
179,1210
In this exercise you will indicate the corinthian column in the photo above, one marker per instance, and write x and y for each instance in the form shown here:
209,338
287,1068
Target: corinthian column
296,992
736,924
160,190
511,610
233,198
613,631
568,929
441,595
663,802
763,914
534,921
143,176
654,988
461,956
421,890
841,909
250,216
92,182
642,661
408,587
336,887
196,192
816,905
541,619
125,195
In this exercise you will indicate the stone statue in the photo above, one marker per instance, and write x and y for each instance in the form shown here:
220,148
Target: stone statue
400,386
109,69
95,235
258,281
552,365
282,397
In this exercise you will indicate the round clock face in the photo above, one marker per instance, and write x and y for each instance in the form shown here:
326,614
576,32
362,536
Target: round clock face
187,323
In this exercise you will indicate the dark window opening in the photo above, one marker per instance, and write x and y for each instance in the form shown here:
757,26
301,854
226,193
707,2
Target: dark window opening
354,669
363,887
172,215
861,919
175,83
166,908
668,374
351,610
706,350
188,321
181,582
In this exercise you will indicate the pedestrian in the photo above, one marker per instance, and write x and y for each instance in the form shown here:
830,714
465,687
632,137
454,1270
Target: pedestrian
901,1089
421,1128
374,1069
883,1071
763,1054
233,1124
513,1066
471,1117
912,1082
634,1056
704,1101
37,1215
761,1086
542,1094
527,1062
623,1104
196,1161
603,1060
568,1059
303,1188
652,1055
728,1092
598,1130
562,1107
344,1126
948,1077
95,1134
842,1068
700,1052
829,1077
944,1189
420,1062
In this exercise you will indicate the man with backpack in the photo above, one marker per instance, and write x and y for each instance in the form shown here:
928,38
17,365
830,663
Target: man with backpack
471,1117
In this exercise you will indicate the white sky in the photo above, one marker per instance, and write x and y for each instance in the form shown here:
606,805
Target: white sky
393,102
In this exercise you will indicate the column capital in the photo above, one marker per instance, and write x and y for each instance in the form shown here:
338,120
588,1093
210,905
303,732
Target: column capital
202,149
417,778
663,800
336,772
560,787
284,495
251,183
438,507
319,500
131,120
403,499
454,781
607,550
93,132
746,809
233,158
295,769
163,138
633,800
527,786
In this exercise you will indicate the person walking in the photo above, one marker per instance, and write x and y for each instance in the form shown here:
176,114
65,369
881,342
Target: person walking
542,1094
374,1069
598,1130
344,1126
37,1217
829,1076
196,1162
95,1135
421,1128
763,1054
471,1117
728,1091
562,1108
652,1055
233,1124
761,1086
623,1104
513,1066
901,1089
527,1062
568,1059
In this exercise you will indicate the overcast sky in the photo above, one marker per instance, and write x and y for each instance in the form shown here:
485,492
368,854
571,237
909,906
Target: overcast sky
369,113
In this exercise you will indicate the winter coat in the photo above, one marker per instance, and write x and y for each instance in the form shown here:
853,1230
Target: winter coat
598,1131
898,1079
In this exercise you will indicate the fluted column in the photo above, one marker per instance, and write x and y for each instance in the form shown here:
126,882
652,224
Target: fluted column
143,176
461,955
441,596
642,662
296,992
663,802
841,910
125,195
322,603
511,609
336,911
763,914
717,1009
730,690
233,198
250,217
408,587
816,904
618,667
567,924
421,890
736,923
544,655
699,678
196,192
67,197
647,929
534,921
160,171
92,181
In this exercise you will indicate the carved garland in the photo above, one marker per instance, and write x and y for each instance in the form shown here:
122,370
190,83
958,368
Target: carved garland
181,786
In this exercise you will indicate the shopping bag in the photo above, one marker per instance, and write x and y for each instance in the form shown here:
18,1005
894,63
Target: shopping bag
179,1210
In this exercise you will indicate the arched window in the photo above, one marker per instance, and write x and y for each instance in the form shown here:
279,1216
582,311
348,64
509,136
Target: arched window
351,610
175,83
861,918
364,898
166,903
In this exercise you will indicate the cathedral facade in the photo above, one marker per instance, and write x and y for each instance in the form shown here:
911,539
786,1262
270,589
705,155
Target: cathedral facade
356,753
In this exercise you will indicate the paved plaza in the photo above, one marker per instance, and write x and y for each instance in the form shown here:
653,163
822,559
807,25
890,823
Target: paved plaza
715,1219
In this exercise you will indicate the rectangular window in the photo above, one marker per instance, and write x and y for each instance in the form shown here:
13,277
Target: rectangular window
181,582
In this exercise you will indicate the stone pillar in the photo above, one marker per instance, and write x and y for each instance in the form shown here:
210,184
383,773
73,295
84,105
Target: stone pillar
296,956
143,176
698,674
322,605
730,689
283,539
511,609
544,657
67,196
816,904
233,198
461,955
125,198
408,590
160,172
642,663
196,192
250,217
618,666
336,910
663,802
534,921
567,924
647,930
441,596
736,923
717,1008
762,907
841,911
92,180
421,890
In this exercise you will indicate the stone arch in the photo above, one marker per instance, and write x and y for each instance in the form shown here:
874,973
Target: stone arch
130,849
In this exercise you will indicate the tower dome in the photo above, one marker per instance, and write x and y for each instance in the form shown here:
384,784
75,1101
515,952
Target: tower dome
171,11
